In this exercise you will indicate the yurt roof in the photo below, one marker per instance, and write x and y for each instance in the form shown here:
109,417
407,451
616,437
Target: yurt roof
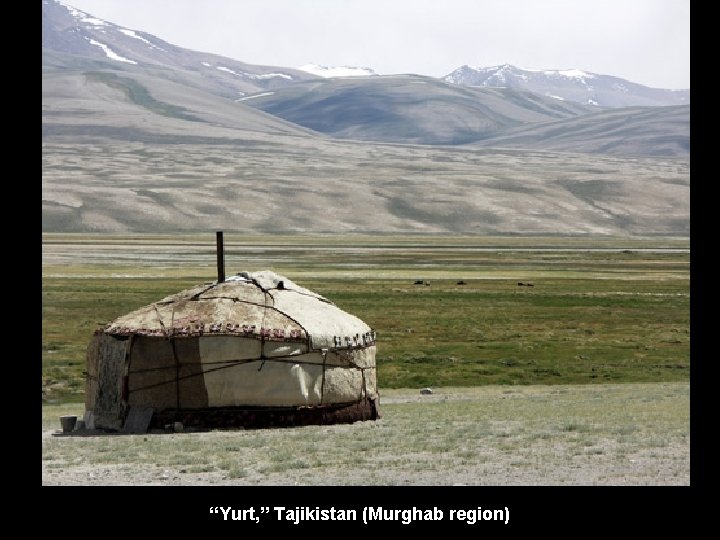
255,304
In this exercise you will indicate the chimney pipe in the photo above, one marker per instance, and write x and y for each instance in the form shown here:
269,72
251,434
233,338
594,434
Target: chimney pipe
220,257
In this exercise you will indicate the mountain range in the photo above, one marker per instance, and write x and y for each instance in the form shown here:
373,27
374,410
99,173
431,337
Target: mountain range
75,39
569,84
143,135
409,109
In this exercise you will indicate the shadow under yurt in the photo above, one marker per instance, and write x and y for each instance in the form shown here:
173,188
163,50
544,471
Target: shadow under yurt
255,350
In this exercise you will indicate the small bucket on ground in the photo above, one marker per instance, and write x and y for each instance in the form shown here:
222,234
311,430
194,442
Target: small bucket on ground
68,423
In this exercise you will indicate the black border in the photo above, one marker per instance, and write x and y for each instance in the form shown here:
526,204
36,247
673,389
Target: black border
577,510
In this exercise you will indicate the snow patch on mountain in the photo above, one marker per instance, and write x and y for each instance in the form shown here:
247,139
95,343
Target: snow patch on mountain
110,53
227,70
569,84
84,17
336,71
133,34
93,21
269,76
572,73
253,75
501,72
256,95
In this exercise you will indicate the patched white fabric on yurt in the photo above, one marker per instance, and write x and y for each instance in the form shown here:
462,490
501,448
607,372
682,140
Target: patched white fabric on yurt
255,340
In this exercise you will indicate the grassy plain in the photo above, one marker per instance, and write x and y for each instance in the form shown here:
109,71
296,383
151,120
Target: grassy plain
609,434
600,309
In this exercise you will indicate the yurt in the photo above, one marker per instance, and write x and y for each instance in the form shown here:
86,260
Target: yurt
253,350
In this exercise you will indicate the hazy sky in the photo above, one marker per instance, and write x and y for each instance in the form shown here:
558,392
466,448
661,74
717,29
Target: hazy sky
645,41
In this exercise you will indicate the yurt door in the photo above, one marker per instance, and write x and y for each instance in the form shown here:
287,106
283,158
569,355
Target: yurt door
109,406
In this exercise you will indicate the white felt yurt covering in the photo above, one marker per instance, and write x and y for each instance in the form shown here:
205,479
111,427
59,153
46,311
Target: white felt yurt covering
256,349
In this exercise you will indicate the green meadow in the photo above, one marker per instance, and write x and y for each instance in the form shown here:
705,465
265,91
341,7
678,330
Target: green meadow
589,310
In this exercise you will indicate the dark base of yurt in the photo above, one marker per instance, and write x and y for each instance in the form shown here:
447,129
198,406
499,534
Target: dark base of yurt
255,418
